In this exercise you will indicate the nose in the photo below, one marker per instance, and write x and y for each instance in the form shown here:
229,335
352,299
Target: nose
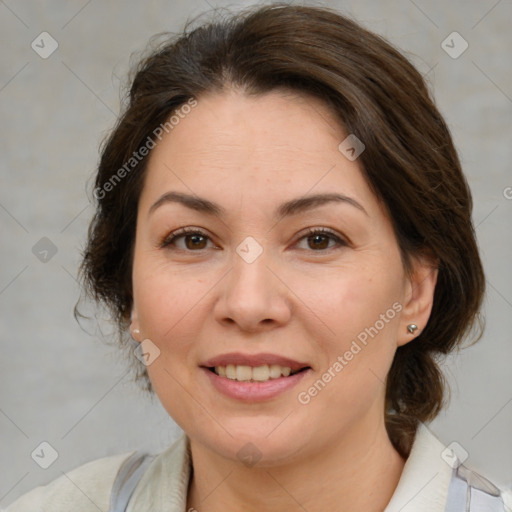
253,296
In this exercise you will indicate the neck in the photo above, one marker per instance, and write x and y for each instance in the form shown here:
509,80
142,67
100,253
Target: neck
359,472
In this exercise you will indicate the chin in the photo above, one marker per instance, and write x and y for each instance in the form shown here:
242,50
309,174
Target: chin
255,441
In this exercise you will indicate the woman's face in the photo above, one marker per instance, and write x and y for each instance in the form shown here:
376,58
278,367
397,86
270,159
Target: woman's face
268,278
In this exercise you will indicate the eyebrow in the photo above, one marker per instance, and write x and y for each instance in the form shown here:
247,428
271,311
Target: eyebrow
292,207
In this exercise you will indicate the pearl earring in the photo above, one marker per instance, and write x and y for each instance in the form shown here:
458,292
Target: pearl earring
412,327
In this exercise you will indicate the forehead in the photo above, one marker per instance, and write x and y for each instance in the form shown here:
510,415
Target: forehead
257,148
281,119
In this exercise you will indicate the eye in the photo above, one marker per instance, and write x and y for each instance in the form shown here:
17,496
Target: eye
193,239
319,239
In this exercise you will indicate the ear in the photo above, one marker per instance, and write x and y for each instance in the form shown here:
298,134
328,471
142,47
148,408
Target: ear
418,298
134,325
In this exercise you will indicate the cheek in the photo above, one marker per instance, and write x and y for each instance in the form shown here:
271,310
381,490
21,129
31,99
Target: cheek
166,308
364,317
351,300
171,387
164,298
361,310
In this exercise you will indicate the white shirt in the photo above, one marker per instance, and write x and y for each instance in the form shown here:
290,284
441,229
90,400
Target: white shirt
423,485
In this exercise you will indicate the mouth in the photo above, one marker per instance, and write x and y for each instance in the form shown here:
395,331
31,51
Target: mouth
262,373
253,377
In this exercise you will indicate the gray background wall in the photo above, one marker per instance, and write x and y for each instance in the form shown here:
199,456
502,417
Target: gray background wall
59,384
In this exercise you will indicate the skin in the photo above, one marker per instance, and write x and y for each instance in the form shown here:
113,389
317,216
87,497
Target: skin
198,298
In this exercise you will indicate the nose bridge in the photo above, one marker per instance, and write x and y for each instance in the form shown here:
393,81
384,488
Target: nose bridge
253,296
250,269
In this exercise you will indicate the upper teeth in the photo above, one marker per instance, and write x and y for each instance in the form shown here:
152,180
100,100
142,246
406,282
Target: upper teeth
259,373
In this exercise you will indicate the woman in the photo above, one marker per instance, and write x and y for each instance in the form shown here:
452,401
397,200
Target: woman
284,229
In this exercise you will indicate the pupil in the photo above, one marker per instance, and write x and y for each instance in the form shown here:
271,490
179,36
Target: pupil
319,241
196,240
320,238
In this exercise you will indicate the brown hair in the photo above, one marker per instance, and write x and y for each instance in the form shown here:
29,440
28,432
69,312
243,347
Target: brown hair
410,163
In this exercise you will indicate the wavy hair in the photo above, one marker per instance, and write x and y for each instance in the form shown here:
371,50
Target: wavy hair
410,164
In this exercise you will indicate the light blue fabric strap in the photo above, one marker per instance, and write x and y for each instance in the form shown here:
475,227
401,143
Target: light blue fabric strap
470,492
127,478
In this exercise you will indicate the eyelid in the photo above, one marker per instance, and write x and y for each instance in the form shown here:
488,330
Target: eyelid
340,240
169,238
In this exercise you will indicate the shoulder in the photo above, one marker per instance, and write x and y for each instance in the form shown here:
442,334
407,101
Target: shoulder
435,479
85,488
164,485
470,491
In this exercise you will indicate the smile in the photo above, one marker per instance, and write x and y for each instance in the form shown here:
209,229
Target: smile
263,373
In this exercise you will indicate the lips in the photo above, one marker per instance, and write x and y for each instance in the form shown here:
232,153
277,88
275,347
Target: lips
253,377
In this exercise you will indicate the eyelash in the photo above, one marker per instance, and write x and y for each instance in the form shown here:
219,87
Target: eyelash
169,240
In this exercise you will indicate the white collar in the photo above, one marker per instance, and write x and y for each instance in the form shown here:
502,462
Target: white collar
423,485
